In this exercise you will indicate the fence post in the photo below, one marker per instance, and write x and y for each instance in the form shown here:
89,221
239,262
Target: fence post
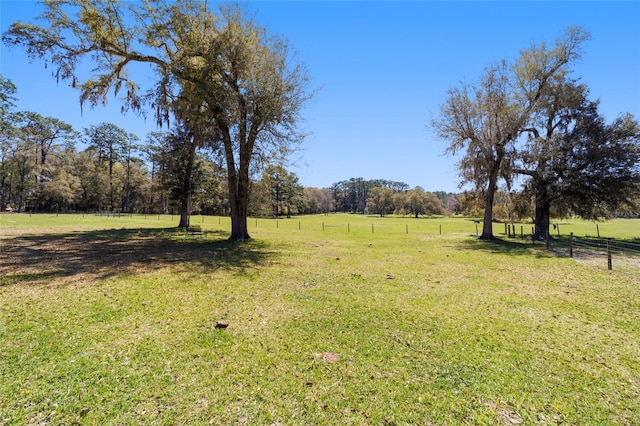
372,228
548,237
348,227
322,226
476,229
571,245
609,265
598,229
521,232
440,229
406,227
558,228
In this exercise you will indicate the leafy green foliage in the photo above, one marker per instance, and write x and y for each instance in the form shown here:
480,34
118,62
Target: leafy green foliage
219,73
32,167
418,202
576,163
351,195
7,92
113,145
484,120
285,193
380,201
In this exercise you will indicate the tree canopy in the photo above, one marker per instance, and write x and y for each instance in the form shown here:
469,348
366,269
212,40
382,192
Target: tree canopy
241,81
484,120
574,161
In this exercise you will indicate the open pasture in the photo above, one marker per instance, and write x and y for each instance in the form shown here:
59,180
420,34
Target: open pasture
18,224
338,319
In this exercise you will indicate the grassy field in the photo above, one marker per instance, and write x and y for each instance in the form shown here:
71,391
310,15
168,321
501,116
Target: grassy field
337,319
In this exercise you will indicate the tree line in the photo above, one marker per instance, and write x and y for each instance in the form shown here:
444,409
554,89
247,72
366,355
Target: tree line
230,95
42,169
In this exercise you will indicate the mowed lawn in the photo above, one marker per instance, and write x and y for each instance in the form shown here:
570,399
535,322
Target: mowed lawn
338,319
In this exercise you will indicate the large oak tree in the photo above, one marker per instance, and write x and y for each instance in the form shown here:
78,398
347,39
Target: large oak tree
574,161
245,82
483,120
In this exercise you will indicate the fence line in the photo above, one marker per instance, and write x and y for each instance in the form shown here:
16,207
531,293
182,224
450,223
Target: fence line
569,245
605,247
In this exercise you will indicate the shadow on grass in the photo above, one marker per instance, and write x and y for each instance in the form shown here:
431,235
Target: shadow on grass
83,256
508,247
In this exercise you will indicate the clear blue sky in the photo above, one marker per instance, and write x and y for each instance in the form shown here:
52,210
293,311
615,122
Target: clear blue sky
383,69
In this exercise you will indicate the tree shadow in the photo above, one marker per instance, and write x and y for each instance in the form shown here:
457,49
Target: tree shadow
509,247
86,256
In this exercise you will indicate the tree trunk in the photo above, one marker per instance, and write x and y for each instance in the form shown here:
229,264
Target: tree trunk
2,195
543,207
185,204
487,224
185,216
127,186
496,164
239,201
238,180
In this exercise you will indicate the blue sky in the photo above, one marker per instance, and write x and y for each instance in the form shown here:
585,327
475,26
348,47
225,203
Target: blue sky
382,69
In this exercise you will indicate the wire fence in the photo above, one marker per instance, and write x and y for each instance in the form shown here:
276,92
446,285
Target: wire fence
601,250
596,248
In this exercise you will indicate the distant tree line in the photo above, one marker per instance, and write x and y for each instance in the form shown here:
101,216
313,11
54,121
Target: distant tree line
532,143
41,169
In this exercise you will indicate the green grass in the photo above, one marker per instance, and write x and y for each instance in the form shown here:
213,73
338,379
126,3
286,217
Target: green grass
113,321
328,224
